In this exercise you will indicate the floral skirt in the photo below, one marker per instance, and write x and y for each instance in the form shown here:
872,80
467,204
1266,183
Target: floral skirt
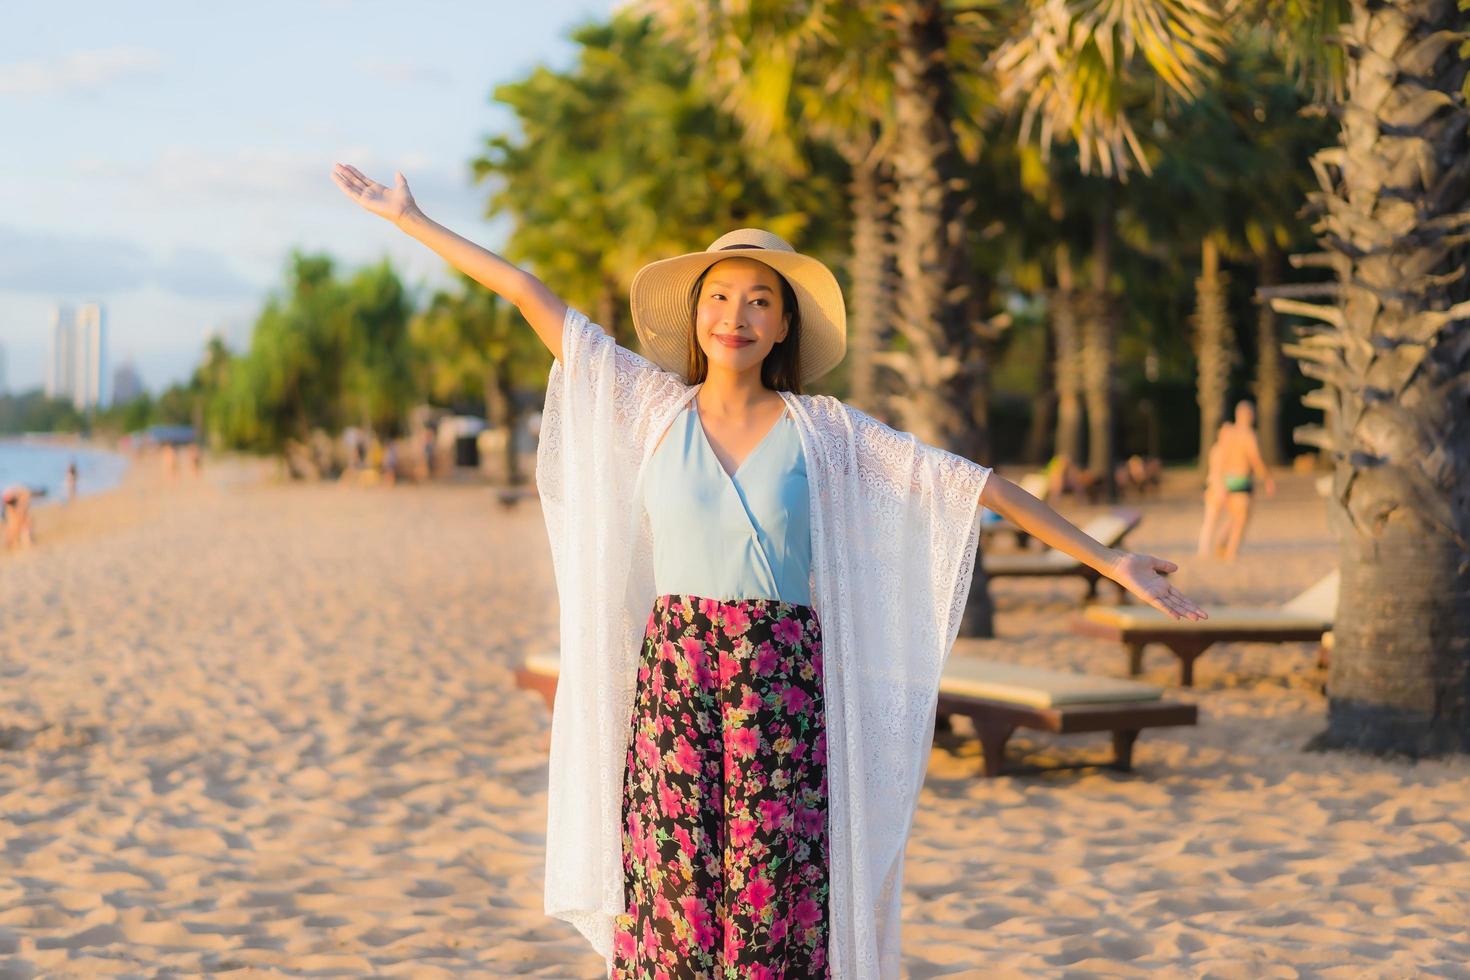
725,796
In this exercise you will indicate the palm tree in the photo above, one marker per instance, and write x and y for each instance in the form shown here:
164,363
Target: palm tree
1084,70
1393,355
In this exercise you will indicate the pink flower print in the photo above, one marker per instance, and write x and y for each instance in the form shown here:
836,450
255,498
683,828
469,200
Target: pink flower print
736,619
751,701
698,919
661,908
660,974
779,925
766,658
686,756
758,893
773,813
819,752
743,742
670,801
709,608
759,971
809,821
741,831
733,944
623,944
795,700
807,913
668,652
729,668
787,631
647,750
798,751
682,838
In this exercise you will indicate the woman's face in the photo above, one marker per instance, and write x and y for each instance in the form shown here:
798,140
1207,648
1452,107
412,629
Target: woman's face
739,317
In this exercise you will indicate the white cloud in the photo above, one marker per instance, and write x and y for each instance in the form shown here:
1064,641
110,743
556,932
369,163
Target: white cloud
81,71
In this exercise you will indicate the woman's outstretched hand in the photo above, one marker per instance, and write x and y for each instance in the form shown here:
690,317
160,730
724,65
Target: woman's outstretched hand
1143,575
386,202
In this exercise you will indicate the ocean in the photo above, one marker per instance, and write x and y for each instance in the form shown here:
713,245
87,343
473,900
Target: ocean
43,465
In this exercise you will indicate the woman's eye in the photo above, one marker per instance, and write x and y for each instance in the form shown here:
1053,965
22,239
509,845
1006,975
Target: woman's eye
760,301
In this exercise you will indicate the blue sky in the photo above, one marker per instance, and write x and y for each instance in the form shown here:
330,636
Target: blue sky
165,157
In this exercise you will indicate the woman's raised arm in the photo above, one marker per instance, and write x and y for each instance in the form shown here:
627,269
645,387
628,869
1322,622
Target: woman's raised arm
542,308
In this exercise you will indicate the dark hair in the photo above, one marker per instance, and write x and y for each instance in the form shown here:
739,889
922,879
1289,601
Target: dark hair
780,371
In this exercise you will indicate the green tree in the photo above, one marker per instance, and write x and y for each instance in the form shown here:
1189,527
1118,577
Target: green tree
623,160
473,343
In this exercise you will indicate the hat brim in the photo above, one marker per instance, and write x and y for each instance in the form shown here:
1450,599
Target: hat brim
660,297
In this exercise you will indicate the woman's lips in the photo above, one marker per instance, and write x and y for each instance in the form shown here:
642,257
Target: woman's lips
733,341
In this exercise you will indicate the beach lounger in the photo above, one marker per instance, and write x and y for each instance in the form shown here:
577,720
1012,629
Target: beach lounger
1110,529
1001,697
1305,618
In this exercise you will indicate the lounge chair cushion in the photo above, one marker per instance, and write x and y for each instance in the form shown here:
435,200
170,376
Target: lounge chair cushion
1313,609
1229,619
1034,686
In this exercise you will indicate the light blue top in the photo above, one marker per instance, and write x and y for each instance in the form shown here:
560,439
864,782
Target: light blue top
717,536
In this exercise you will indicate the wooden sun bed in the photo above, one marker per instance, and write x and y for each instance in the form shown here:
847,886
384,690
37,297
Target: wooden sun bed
1305,618
1000,697
1110,529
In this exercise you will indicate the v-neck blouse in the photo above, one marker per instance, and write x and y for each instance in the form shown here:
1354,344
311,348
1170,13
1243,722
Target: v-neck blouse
746,536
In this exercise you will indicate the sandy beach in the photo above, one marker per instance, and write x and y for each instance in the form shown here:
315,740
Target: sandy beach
271,729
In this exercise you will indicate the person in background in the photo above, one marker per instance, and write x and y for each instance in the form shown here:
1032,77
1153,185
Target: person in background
71,481
1234,461
17,509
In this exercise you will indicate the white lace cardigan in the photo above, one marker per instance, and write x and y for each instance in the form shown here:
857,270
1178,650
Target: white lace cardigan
894,533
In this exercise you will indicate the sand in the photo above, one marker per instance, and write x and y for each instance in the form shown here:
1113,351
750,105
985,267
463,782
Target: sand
271,729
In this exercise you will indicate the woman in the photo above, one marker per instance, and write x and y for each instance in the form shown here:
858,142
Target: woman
733,776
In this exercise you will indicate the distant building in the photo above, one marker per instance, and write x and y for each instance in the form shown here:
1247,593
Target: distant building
126,384
78,362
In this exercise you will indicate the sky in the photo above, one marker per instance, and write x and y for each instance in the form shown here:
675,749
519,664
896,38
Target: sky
165,158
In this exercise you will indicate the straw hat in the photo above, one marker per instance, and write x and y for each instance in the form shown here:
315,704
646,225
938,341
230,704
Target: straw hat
660,300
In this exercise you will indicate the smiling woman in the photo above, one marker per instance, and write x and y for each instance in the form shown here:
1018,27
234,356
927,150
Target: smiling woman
759,589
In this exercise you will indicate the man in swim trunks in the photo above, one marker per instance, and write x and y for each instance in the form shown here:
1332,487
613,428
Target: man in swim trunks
1234,460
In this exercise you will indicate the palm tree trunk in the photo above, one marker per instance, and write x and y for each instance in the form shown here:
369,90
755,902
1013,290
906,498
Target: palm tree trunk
1099,331
1043,404
1211,347
1394,356
1068,370
1270,373
944,401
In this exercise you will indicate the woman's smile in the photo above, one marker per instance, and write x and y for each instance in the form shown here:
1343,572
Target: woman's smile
731,340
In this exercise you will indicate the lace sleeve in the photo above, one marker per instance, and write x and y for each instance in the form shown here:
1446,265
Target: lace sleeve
595,366
886,459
